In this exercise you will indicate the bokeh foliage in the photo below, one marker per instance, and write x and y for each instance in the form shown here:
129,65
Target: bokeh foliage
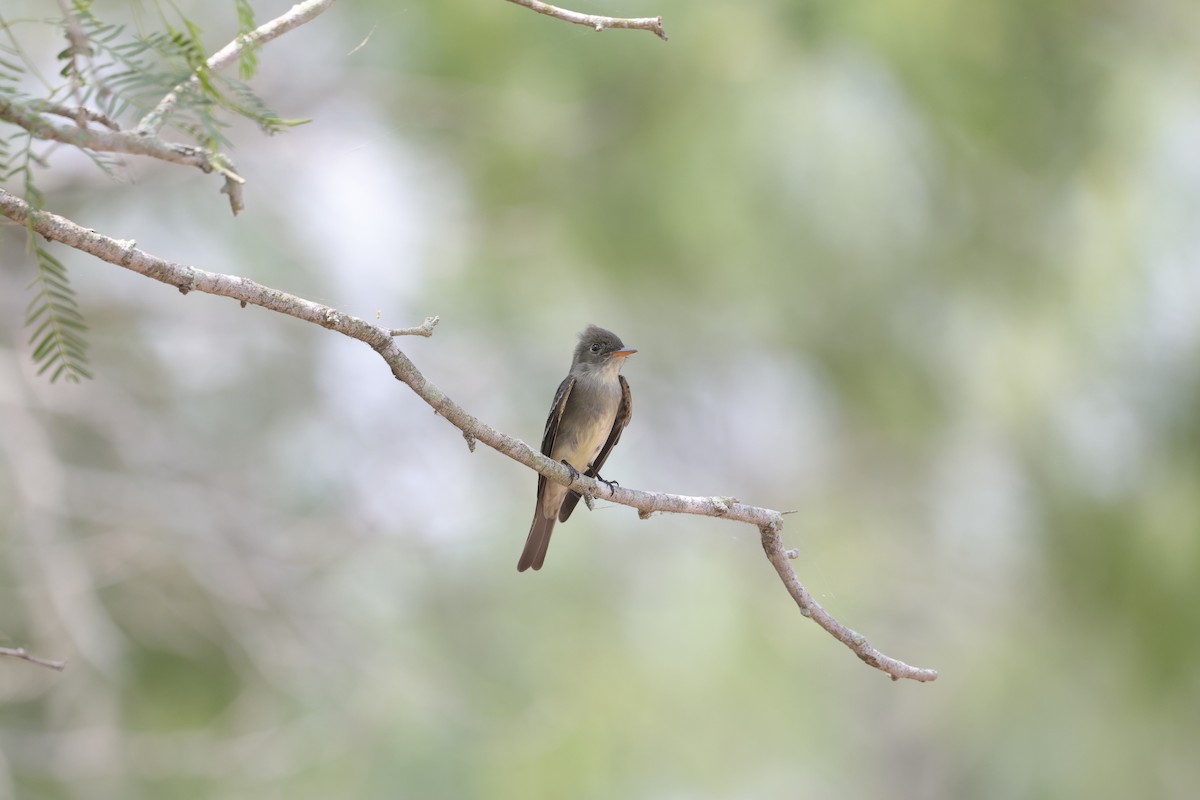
925,271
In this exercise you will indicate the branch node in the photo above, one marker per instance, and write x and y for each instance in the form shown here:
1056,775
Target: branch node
233,188
792,553
588,500
470,440
643,514
189,284
242,303
724,504
128,247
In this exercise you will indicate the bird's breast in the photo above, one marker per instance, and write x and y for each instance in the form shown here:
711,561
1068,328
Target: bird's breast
585,425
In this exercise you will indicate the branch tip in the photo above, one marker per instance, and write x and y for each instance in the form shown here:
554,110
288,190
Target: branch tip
724,505
22,654
424,329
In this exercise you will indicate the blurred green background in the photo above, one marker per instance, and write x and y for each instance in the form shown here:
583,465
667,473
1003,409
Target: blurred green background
927,272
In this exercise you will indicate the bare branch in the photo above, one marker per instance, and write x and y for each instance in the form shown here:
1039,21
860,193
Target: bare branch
382,340
105,141
20,653
652,24
294,17
781,560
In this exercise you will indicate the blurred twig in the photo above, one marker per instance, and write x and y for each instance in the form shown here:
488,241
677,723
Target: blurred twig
652,24
71,590
382,340
294,17
19,653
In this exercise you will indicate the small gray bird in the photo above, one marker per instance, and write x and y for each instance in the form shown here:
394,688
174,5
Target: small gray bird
591,409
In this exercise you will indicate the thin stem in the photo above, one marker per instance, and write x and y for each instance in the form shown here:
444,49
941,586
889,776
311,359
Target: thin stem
597,23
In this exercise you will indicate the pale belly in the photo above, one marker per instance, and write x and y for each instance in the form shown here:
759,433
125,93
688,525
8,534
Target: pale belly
580,450
579,444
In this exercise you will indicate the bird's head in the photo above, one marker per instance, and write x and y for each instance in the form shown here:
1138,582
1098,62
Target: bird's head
599,348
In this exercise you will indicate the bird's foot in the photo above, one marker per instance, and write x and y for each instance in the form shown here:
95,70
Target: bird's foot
574,472
610,484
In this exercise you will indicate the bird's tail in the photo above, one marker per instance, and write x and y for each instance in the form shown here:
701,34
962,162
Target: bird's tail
536,543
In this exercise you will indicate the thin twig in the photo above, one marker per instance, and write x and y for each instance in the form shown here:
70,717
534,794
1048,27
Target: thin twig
21,654
382,340
81,115
781,560
294,17
597,23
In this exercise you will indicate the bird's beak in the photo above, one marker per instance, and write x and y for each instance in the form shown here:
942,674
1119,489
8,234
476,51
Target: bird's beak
626,353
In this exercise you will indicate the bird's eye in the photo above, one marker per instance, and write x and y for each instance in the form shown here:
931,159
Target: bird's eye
596,347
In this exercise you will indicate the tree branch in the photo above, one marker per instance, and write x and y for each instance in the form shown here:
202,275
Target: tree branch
110,141
19,653
652,24
382,340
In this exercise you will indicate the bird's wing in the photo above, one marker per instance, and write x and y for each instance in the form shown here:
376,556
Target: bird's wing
624,413
556,412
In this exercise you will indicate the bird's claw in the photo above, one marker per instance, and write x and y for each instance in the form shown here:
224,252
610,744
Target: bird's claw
574,472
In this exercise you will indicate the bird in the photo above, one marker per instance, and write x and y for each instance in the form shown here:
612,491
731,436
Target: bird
591,409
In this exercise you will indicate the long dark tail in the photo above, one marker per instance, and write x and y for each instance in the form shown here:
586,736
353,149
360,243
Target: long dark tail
564,511
536,543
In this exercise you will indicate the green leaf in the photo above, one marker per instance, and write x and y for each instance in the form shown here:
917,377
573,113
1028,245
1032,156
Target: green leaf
248,58
56,323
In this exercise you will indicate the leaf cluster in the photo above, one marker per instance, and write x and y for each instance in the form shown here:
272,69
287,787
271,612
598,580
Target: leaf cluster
108,76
